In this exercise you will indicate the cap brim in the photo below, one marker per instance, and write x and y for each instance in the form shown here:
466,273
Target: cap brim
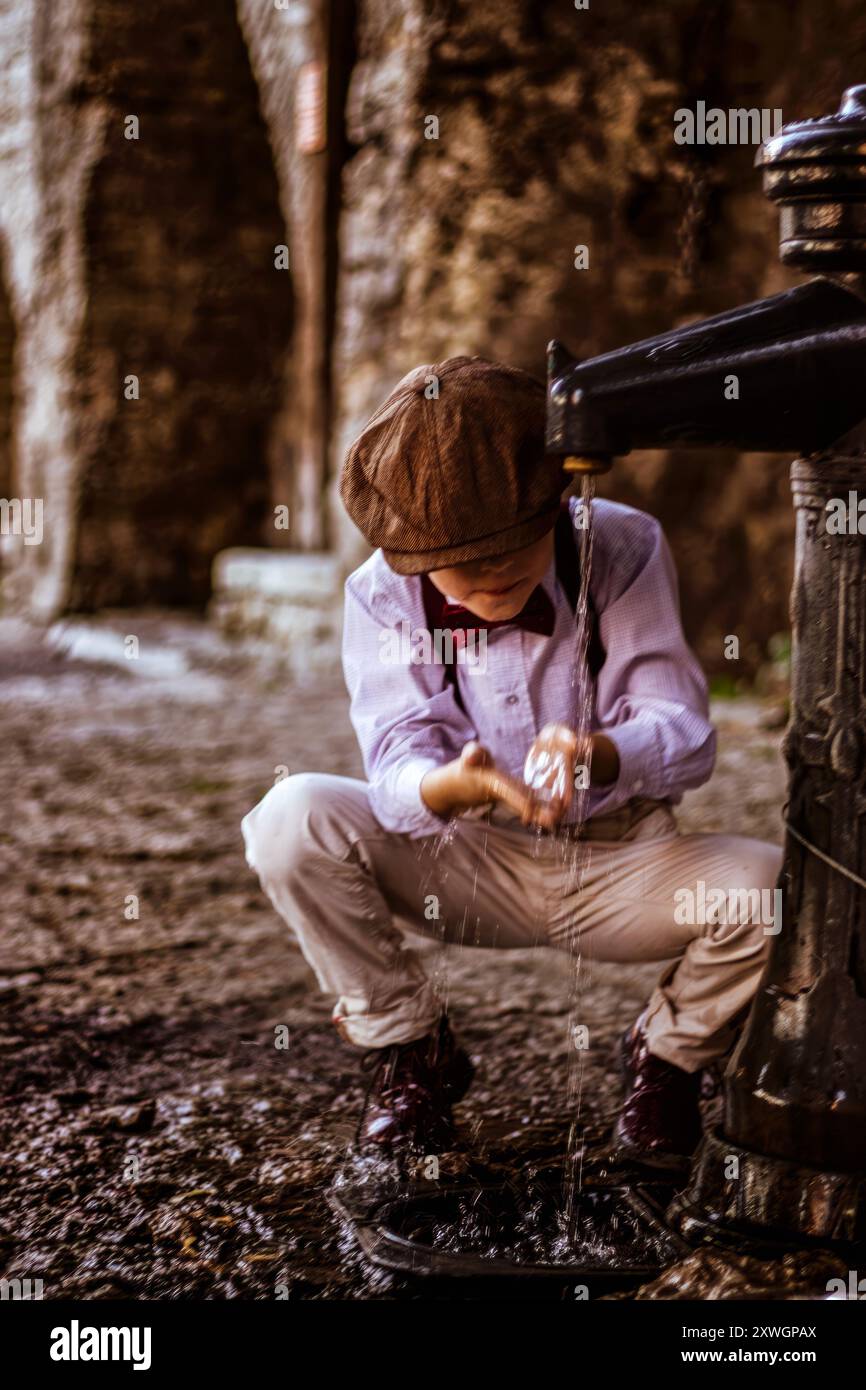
481,548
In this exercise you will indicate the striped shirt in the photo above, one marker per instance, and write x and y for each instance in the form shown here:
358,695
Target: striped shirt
649,698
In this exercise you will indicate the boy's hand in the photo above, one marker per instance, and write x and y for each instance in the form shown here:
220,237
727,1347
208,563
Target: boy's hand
473,780
542,799
549,772
551,764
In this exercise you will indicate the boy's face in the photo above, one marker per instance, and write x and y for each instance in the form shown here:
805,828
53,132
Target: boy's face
497,589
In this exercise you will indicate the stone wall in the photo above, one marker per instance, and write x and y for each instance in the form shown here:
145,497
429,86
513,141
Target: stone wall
148,257
46,145
154,257
180,227
556,130
288,46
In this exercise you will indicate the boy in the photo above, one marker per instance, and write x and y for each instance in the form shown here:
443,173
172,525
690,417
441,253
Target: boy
450,482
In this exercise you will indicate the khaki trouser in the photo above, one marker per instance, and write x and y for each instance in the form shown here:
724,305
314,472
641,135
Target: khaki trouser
345,886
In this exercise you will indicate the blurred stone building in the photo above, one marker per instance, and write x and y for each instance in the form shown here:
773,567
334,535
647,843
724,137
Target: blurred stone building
226,232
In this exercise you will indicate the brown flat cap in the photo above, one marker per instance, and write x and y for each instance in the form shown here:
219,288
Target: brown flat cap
452,467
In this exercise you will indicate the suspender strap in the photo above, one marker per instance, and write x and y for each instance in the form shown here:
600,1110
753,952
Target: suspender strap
566,555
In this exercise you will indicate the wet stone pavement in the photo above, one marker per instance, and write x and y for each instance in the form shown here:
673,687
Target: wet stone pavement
157,1143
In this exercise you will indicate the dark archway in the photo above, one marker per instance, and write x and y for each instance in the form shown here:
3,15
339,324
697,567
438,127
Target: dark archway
184,295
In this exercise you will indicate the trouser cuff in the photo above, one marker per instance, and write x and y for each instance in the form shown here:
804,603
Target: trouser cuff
410,1020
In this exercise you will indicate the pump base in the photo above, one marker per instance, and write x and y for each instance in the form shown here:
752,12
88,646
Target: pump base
740,1199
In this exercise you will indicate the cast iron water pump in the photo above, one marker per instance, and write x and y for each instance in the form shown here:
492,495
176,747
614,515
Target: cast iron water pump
788,1163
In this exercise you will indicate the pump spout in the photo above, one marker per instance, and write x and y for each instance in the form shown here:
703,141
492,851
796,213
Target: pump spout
783,374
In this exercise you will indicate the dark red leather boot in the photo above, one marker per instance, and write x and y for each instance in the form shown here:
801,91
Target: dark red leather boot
412,1088
660,1121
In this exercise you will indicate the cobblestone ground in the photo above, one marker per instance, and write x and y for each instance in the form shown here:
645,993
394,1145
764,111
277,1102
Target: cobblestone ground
157,1143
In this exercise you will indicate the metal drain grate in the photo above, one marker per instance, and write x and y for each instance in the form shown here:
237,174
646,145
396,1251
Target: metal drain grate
616,1237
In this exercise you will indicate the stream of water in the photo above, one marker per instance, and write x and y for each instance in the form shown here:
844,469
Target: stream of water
573,851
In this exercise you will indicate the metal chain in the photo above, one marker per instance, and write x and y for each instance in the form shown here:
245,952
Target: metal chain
834,864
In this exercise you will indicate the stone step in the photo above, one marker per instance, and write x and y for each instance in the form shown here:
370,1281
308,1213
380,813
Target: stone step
290,603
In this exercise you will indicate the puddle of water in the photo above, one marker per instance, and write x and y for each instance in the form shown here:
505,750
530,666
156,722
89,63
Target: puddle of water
529,1228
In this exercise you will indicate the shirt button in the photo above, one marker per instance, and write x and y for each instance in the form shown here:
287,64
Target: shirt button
511,699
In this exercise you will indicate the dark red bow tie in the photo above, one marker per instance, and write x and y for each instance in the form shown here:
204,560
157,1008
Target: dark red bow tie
537,614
